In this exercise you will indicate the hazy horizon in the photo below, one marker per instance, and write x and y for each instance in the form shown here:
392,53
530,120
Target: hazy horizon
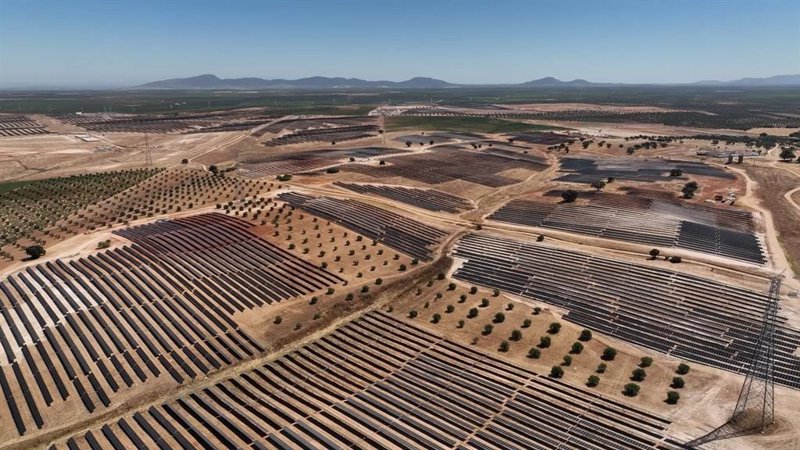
116,86
123,43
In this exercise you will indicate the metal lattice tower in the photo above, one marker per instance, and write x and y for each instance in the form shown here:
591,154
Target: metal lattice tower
755,409
382,125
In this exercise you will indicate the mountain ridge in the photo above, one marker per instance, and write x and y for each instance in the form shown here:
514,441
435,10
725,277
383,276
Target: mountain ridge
776,80
211,81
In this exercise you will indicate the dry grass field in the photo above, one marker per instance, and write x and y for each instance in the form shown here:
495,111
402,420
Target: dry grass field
773,184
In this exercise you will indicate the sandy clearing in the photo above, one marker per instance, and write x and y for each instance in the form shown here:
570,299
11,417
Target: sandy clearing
60,155
71,151
774,131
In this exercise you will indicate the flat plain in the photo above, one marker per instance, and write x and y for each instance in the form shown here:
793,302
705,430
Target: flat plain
521,269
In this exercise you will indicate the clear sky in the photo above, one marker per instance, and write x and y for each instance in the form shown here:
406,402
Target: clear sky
128,42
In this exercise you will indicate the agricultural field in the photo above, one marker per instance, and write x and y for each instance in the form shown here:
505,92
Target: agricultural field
35,212
675,106
503,268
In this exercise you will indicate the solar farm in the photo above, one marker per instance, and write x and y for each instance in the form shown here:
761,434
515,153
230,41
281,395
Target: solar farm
654,308
582,170
450,163
311,160
388,276
11,125
728,233
429,199
370,383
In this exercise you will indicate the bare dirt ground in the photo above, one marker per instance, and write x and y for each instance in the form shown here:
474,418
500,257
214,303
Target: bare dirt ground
774,131
56,126
633,129
47,156
227,154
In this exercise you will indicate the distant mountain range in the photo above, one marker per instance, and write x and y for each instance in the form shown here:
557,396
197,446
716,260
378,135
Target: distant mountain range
213,82
555,82
777,80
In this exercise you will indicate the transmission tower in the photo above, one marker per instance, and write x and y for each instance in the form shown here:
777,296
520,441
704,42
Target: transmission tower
755,409
382,125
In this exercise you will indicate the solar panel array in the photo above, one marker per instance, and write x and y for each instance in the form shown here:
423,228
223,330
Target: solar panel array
344,133
406,235
379,383
682,315
15,125
584,170
307,161
145,123
429,199
80,334
448,163
659,222
543,138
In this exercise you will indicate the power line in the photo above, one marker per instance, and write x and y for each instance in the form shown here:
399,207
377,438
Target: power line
755,408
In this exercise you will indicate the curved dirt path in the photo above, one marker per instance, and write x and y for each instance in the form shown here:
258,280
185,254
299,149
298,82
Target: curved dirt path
788,196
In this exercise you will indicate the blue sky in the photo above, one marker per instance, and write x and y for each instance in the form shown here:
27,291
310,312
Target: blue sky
120,42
